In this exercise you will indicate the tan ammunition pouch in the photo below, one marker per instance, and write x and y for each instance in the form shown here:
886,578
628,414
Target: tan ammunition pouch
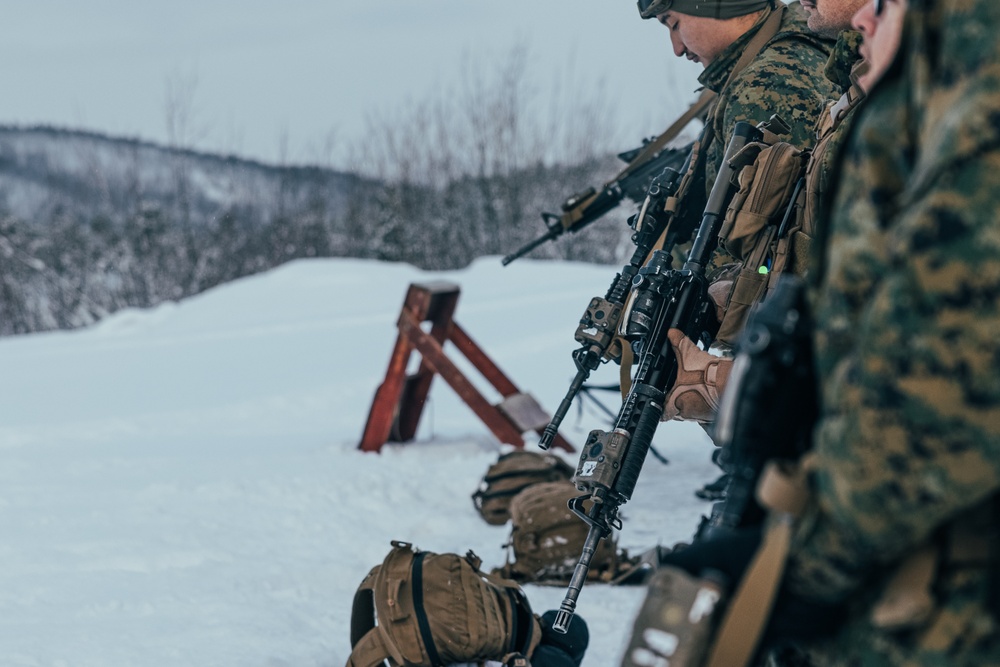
422,609
767,177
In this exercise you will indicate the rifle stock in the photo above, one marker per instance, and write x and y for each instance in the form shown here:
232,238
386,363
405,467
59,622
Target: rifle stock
663,298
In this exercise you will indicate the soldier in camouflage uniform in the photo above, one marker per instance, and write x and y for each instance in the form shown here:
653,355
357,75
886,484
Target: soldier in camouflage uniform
782,76
907,449
897,555
695,395
785,77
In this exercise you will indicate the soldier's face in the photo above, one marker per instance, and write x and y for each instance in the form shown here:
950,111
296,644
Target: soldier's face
829,17
694,37
882,33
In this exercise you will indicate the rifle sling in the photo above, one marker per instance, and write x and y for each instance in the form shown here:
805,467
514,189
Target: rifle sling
783,490
696,110
749,610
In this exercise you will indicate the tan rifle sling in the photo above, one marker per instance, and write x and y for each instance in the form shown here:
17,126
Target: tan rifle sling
696,110
784,490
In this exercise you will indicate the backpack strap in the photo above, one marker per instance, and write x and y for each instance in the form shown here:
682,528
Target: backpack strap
394,606
417,571
363,607
369,645
526,629
371,650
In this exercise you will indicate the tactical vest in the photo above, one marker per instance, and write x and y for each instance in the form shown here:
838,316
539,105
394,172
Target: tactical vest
773,218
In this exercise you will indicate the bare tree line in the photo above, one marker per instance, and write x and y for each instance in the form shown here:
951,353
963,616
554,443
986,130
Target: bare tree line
437,182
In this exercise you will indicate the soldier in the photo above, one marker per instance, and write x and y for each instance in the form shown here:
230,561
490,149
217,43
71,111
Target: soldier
907,450
782,75
896,557
696,392
761,59
695,395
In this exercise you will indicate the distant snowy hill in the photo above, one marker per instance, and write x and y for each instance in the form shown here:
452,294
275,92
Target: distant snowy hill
181,485
91,224
46,171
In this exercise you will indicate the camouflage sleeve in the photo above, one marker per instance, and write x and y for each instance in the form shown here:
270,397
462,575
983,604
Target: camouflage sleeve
914,437
786,80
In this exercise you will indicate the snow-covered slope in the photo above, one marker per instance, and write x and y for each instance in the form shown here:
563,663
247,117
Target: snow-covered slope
181,486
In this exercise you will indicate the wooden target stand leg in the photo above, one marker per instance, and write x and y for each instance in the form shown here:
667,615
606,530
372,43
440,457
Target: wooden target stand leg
399,400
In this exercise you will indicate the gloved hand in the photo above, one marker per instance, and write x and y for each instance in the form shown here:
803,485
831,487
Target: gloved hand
793,618
729,554
701,378
561,650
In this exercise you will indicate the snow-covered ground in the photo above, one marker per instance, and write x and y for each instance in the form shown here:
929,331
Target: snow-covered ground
181,486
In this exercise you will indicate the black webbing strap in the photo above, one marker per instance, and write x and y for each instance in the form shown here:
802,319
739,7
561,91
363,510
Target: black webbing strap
522,627
417,570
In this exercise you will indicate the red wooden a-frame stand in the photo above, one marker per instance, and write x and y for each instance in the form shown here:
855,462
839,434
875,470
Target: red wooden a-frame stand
399,400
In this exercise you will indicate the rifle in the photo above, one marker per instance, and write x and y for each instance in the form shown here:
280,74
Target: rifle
644,164
599,323
590,205
662,299
772,374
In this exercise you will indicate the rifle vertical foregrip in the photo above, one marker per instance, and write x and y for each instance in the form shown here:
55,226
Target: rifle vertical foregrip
552,428
642,439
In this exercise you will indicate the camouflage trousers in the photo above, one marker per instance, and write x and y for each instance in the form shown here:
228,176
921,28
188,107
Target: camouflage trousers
962,631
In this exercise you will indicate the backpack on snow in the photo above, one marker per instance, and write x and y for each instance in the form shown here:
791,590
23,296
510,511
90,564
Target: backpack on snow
547,538
512,473
422,609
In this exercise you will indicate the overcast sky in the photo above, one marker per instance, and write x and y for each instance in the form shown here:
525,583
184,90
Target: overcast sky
263,74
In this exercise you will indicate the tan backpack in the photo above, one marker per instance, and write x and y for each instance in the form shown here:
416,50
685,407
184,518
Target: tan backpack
422,609
512,473
547,538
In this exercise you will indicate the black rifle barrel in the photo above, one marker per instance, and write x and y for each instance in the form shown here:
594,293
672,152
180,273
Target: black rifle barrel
682,307
652,226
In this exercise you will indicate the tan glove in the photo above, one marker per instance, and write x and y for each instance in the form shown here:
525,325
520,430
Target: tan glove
701,378
718,292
